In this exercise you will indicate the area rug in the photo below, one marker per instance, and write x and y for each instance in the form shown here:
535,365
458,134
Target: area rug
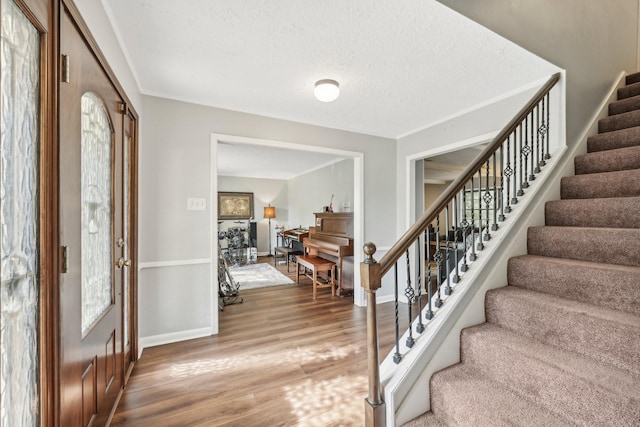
258,276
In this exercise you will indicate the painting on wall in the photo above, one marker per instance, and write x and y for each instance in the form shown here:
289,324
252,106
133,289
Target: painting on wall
235,205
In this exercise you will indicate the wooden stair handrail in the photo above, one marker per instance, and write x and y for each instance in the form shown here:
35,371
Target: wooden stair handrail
412,234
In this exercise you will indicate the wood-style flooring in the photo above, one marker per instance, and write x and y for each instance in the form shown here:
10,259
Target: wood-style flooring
280,359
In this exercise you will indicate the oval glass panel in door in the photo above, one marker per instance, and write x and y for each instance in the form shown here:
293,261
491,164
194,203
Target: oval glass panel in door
19,149
97,288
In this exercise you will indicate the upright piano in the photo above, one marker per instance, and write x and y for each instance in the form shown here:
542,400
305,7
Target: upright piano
332,239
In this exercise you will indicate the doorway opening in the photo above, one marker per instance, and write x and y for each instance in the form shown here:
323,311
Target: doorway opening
357,205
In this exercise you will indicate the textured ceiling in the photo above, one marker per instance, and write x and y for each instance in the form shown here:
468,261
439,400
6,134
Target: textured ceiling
401,64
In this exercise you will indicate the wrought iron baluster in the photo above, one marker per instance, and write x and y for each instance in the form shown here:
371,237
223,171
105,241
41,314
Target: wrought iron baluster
409,294
501,217
447,289
465,226
429,314
522,187
487,197
456,233
532,177
516,171
437,257
538,153
526,150
546,128
494,226
480,245
419,264
508,172
397,357
472,255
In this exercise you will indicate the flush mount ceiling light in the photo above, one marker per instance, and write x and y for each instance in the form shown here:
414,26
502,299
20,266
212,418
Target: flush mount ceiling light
326,90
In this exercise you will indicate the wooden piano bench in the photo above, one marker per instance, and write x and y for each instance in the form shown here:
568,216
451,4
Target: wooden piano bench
316,265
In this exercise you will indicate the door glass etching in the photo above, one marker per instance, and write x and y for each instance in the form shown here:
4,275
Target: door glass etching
95,166
19,149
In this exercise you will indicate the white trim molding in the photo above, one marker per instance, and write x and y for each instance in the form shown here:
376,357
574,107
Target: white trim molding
174,263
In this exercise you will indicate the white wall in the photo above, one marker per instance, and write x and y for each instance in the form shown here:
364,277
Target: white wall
308,193
592,40
265,191
175,163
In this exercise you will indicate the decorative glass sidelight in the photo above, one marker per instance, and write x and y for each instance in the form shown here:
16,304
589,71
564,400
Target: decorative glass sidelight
19,148
97,288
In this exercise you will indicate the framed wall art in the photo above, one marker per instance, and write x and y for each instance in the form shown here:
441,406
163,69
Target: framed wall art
235,205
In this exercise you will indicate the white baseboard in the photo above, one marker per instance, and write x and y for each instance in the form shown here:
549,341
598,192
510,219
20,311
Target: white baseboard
172,337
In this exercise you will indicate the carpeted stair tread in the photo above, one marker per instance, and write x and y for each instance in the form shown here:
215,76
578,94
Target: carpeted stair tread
608,336
611,140
619,121
608,161
426,420
629,90
632,78
600,185
604,245
578,280
624,105
462,396
616,212
585,391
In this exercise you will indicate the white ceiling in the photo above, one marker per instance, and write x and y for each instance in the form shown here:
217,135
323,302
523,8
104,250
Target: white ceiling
401,64
258,161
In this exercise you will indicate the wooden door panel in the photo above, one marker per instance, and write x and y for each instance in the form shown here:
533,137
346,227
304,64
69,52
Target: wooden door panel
91,360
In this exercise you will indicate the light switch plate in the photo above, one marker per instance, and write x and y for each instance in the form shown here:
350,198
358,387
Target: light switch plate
196,204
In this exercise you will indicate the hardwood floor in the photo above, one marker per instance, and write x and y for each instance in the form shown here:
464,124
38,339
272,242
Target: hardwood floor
280,359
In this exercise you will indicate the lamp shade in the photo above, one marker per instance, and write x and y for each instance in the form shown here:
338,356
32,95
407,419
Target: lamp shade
269,212
326,90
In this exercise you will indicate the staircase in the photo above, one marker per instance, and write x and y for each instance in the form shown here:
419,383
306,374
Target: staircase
561,345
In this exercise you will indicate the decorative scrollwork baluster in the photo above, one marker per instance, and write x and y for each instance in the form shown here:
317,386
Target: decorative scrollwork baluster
409,293
487,198
507,172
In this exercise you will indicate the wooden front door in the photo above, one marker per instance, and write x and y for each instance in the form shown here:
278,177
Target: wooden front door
94,249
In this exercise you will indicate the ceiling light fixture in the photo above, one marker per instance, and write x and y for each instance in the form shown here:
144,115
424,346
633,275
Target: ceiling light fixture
326,90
